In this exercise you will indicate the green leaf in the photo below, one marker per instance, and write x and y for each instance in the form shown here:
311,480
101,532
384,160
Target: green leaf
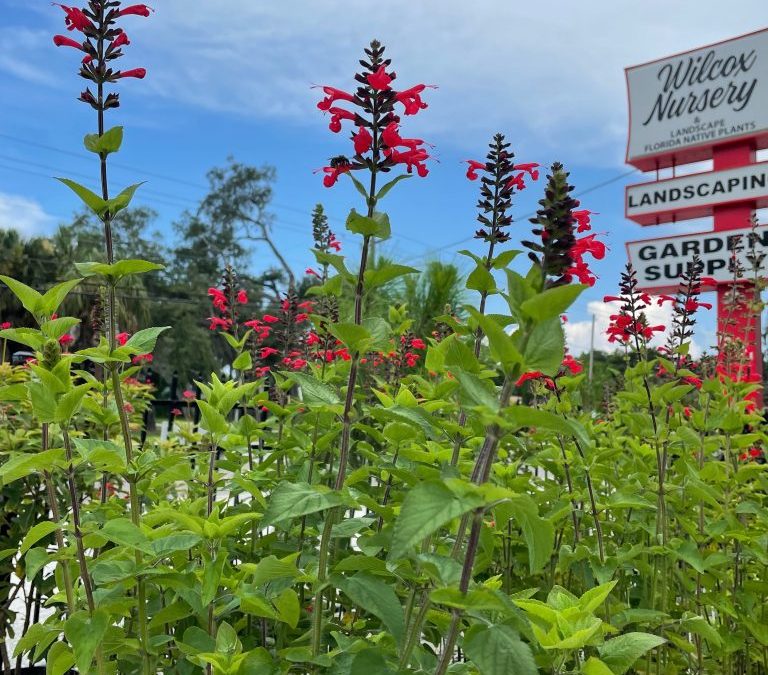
90,199
34,561
123,199
118,270
101,454
498,650
594,666
621,652
355,337
123,532
59,659
212,420
378,226
143,341
35,534
243,361
478,392
501,260
481,280
523,416
358,185
212,578
85,634
388,186
291,500
315,392
54,296
55,328
23,464
376,597
227,641
538,532
386,273
71,402
595,597
29,337
43,399
545,348
270,568
426,508
288,608
175,542
110,141
552,302
29,297
502,346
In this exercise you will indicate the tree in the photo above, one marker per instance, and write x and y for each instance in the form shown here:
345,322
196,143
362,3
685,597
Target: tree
436,291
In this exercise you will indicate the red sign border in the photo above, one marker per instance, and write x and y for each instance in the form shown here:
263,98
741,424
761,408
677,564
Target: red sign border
688,213
699,151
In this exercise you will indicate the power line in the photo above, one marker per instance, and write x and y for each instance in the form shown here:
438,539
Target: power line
591,188
173,179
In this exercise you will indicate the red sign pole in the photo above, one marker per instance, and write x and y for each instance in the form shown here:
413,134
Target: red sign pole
738,322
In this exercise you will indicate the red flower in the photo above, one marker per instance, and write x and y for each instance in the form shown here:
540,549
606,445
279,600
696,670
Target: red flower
581,271
268,318
66,339
664,298
333,243
338,114
142,358
219,299
175,412
121,40
188,395
312,272
755,452
267,352
687,411
5,325
709,281
411,98
301,317
572,364
533,375
516,181
332,174
242,297
474,167
313,339
694,381
122,338
332,95
417,343
411,158
128,408
564,318
138,10
582,218
362,140
589,245
380,80
217,322
64,41
75,19
612,298
391,137
298,364
138,73
307,305
261,372
531,168
692,305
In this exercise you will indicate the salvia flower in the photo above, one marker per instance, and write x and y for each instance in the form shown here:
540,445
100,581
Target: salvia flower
376,141
138,10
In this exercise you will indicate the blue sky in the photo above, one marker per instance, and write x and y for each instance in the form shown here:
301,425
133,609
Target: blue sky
234,77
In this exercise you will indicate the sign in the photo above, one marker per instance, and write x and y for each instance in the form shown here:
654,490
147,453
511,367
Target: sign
660,262
680,106
693,196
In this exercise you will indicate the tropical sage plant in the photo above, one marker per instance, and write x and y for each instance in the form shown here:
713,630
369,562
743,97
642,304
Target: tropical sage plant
349,495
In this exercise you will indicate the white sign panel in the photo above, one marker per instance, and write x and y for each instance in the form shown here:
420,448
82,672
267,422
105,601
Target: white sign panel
660,262
682,105
693,196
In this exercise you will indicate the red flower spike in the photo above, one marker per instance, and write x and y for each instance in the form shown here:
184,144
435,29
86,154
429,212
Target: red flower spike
242,297
362,140
269,318
137,10
582,219
64,41
138,73
572,364
533,375
380,80
416,343
474,167
122,338
693,381
338,114
66,339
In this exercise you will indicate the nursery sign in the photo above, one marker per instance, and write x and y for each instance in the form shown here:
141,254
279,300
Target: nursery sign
660,262
693,196
682,105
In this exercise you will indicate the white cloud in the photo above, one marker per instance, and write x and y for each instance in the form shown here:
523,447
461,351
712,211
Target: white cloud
578,334
549,74
22,214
